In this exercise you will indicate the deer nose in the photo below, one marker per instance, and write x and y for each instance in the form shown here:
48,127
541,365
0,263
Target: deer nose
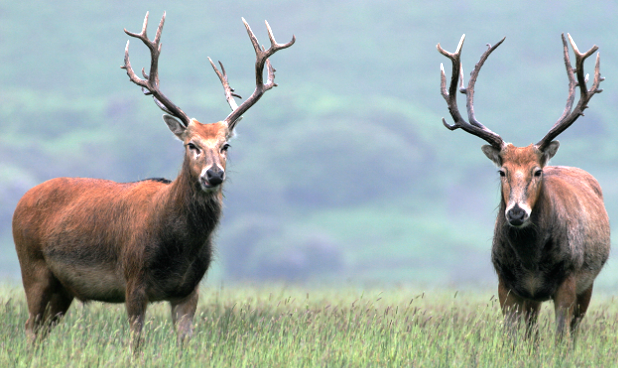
516,215
215,176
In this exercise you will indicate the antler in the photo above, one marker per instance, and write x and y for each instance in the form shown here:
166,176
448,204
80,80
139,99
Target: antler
229,91
150,85
450,96
568,117
262,56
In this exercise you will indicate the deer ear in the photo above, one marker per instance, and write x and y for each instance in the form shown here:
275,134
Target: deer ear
175,126
549,152
492,153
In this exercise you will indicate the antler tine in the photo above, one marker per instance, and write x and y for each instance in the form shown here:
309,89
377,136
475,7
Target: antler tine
568,117
469,92
450,96
262,56
571,76
142,35
229,91
150,85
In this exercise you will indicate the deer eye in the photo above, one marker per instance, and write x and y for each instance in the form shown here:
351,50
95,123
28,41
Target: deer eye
193,147
225,147
538,173
502,173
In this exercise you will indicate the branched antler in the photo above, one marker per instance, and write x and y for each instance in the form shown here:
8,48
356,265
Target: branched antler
262,56
450,96
568,117
150,85
229,91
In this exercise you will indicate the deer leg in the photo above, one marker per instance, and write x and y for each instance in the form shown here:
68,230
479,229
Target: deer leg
182,315
531,314
47,301
583,301
512,306
136,302
58,305
38,295
565,301
516,308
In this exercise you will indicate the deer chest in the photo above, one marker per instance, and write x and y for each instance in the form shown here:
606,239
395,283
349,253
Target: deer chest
177,277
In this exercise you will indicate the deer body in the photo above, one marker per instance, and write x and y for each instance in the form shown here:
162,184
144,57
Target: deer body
551,237
127,236
133,243
534,261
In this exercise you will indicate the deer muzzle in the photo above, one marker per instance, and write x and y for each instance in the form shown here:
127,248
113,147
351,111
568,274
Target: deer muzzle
517,216
212,177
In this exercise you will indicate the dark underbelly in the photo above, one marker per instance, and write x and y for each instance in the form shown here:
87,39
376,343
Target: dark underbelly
539,293
177,282
538,285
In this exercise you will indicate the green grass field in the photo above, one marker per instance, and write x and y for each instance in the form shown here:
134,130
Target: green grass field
295,326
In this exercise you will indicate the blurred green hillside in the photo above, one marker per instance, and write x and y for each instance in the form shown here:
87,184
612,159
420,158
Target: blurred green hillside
343,173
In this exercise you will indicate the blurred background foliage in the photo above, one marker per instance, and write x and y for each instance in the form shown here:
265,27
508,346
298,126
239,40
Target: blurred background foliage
344,173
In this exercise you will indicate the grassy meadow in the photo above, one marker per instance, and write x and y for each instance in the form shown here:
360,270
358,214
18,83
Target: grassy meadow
294,326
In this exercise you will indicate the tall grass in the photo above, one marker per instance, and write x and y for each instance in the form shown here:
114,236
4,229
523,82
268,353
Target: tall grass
279,326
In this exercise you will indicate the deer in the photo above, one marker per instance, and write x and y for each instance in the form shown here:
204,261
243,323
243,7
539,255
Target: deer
140,242
551,235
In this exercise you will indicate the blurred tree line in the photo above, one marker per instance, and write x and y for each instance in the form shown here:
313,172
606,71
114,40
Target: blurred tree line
344,172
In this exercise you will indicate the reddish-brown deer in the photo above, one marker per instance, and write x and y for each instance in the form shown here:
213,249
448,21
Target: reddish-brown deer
551,237
140,242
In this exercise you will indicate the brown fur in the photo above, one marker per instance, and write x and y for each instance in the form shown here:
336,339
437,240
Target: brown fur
131,243
560,249
552,232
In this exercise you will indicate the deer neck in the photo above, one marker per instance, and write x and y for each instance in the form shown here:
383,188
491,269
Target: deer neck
531,241
191,210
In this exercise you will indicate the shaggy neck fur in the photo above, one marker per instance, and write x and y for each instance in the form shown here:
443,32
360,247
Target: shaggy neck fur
191,210
527,242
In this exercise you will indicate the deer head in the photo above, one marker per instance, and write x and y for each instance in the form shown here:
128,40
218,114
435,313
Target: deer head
206,145
521,168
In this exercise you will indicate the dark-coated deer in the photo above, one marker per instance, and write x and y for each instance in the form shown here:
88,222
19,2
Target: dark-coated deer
140,242
551,236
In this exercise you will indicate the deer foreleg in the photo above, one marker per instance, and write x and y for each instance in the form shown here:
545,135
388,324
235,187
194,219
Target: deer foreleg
565,301
136,303
516,308
182,315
